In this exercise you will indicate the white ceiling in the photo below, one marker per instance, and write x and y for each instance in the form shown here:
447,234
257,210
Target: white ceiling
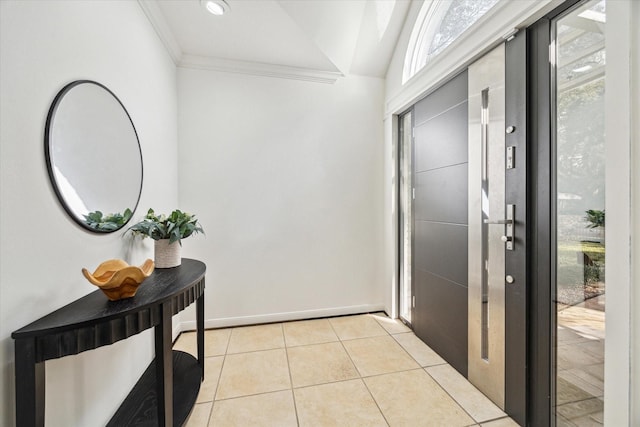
317,38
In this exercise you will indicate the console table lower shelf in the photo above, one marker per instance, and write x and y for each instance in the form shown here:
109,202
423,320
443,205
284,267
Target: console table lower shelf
140,406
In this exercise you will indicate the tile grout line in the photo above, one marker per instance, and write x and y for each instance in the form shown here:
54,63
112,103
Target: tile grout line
242,396
410,331
210,414
345,349
286,355
505,417
393,372
389,332
253,351
407,352
453,398
215,391
361,378
425,370
376,402
204,361
248,395
224,358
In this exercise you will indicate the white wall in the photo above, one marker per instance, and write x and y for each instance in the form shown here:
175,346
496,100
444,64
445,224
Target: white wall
43,46
622,341
393,82
286,178
634,95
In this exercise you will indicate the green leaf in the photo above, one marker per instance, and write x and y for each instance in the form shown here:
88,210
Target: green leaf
176,226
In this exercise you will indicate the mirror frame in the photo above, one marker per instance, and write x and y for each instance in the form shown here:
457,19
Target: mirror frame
47,150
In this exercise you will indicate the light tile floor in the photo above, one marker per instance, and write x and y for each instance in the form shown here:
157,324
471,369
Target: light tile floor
364,370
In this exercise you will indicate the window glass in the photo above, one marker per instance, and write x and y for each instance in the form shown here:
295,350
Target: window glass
460,15
580,289
439,24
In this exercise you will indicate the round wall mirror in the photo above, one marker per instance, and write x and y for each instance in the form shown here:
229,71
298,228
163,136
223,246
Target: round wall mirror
93,156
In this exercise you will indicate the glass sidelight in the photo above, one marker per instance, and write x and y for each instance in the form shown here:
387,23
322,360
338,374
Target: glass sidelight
578,87
405,172
489,226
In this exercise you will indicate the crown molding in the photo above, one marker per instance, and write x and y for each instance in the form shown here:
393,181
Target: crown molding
155,16
159,23
259,69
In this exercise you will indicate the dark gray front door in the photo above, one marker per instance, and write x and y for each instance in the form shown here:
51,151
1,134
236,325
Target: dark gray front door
442,235
440,221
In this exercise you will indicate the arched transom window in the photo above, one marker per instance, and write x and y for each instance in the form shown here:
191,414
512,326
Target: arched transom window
439,23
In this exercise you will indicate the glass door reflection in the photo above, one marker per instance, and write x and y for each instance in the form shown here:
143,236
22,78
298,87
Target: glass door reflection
578,81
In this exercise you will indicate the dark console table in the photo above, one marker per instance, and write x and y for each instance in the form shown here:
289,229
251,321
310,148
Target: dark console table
166,392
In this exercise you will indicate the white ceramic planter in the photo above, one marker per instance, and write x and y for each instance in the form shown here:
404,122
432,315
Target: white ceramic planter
167,255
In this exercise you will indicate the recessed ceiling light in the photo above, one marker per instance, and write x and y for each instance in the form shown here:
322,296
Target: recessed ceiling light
215,7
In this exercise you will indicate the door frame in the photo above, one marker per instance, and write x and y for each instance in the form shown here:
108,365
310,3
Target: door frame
400,227
517,262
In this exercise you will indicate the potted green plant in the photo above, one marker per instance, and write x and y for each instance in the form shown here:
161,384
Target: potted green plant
167,231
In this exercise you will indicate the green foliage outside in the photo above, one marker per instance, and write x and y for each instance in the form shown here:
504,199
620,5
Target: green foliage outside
595,218
175,227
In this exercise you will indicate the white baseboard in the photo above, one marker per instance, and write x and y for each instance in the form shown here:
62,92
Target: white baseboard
226,322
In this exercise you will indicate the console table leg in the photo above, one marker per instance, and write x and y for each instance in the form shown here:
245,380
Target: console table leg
30,381
164,367
200,331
